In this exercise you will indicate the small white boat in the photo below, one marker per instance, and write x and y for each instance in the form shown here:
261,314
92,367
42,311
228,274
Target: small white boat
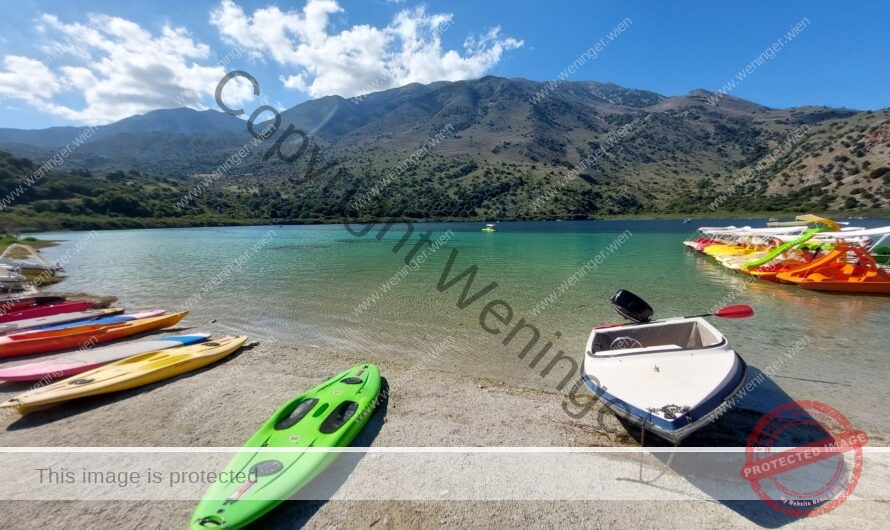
665,376
33,264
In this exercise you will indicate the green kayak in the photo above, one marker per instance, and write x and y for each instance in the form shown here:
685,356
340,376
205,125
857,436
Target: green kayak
329,415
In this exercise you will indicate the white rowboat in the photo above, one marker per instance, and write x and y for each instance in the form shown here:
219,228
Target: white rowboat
667,377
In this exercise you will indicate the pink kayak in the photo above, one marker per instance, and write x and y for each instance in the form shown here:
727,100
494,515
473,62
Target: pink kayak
113,319
81,361
76,316
46,310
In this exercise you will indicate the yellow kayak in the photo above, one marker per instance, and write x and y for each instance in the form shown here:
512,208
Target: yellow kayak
128,373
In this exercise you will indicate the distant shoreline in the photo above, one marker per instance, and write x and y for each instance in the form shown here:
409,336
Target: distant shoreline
129,224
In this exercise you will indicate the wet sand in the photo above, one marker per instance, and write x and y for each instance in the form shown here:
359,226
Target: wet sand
425,408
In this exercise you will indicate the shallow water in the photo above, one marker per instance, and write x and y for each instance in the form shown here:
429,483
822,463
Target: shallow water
304,284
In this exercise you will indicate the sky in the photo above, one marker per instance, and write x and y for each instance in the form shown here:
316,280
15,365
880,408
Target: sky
75,62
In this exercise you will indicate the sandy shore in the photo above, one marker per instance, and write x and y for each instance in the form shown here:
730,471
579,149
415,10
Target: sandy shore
426,408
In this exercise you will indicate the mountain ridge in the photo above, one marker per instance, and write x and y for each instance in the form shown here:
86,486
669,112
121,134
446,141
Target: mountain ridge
512,139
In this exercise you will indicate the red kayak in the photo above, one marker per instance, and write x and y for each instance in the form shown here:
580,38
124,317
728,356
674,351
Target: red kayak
45,310
17,304
49,340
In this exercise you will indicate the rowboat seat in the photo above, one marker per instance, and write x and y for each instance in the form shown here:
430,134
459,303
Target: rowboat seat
647,349
666,336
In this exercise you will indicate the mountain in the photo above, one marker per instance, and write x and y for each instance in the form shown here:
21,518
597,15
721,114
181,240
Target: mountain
177,121
167,121
509,143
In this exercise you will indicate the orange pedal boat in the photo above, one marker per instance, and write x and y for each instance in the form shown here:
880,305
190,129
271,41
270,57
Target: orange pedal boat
855,271
805,259
50,340
836,258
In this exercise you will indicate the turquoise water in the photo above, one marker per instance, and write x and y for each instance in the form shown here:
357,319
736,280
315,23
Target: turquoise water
304,283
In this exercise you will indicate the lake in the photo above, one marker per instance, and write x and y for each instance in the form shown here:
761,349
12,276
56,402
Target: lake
306,285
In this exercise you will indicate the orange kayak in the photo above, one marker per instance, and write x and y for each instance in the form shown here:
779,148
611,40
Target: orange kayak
45,341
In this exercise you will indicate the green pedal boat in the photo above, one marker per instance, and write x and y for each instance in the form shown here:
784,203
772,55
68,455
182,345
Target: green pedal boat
329,415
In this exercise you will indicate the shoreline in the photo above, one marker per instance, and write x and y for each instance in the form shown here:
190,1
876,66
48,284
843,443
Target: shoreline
429,408
701,216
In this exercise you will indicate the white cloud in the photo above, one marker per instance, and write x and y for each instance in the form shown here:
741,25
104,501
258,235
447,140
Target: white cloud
116,68
107,68
28,80
361,58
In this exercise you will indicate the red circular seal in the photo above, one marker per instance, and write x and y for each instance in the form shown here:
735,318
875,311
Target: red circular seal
811,479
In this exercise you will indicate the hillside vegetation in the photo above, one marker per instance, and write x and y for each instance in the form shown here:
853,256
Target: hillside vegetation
504,157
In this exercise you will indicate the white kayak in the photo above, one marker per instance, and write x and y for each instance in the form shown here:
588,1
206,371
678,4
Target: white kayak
83,360
62,318
665,376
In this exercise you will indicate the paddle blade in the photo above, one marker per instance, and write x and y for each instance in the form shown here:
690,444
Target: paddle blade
735,311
